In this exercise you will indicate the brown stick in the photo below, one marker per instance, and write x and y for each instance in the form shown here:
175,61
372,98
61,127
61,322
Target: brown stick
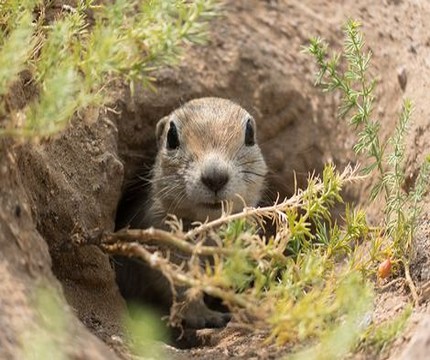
145,236
174,272
411,284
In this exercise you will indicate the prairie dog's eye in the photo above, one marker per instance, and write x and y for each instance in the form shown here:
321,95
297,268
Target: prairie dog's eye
172,137
249,133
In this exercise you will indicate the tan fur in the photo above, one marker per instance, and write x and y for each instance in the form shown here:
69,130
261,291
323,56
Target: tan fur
210,130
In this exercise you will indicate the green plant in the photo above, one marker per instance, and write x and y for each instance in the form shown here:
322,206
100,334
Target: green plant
142,328
291,296
73,58
402,209
378,336
51,334
50,317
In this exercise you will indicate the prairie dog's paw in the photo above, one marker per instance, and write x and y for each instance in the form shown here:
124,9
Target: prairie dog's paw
196,315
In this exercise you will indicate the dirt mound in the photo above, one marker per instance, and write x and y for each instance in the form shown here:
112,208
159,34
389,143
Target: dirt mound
74,181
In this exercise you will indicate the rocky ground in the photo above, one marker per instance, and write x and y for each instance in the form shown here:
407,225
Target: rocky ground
50,190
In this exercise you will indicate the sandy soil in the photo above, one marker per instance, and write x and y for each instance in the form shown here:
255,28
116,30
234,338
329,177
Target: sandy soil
73,182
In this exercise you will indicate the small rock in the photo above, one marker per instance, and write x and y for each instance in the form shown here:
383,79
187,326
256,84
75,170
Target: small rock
402,78
117,339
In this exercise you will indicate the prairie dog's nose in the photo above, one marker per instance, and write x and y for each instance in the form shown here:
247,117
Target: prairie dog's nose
214,175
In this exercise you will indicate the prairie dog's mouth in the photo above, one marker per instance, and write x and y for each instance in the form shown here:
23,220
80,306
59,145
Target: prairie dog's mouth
213,206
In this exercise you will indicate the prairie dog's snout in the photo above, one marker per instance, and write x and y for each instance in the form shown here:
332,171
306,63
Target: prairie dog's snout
215,173
207,154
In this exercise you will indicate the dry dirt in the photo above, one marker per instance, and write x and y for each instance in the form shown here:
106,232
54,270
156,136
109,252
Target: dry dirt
73,182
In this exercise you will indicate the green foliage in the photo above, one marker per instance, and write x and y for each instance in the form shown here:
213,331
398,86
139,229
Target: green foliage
402,209
51,335
15,49
356,89
337,341
142,328
316,207
417,194
378,336
46,338
387,158
301,284
74,57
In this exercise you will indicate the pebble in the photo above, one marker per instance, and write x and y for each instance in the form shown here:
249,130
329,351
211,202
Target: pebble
402,77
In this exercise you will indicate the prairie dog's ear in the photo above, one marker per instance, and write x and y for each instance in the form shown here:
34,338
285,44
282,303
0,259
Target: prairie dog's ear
159,130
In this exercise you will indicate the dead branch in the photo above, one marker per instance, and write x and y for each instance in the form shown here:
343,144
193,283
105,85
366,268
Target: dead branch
174,272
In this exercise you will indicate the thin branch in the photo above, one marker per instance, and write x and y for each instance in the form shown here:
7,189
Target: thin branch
152,235
349,175
411,284
174,272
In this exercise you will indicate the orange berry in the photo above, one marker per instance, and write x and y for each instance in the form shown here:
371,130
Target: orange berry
384,269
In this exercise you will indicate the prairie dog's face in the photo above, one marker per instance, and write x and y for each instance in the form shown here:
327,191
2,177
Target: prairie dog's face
207,154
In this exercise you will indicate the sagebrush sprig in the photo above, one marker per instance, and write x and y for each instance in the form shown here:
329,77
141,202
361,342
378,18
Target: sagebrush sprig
356,89
394,177
417,194
387,158
73,58
15,50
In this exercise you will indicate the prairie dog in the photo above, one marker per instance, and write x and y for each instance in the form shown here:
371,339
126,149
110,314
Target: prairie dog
207,154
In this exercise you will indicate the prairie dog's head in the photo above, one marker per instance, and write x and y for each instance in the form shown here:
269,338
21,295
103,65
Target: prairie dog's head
207,153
